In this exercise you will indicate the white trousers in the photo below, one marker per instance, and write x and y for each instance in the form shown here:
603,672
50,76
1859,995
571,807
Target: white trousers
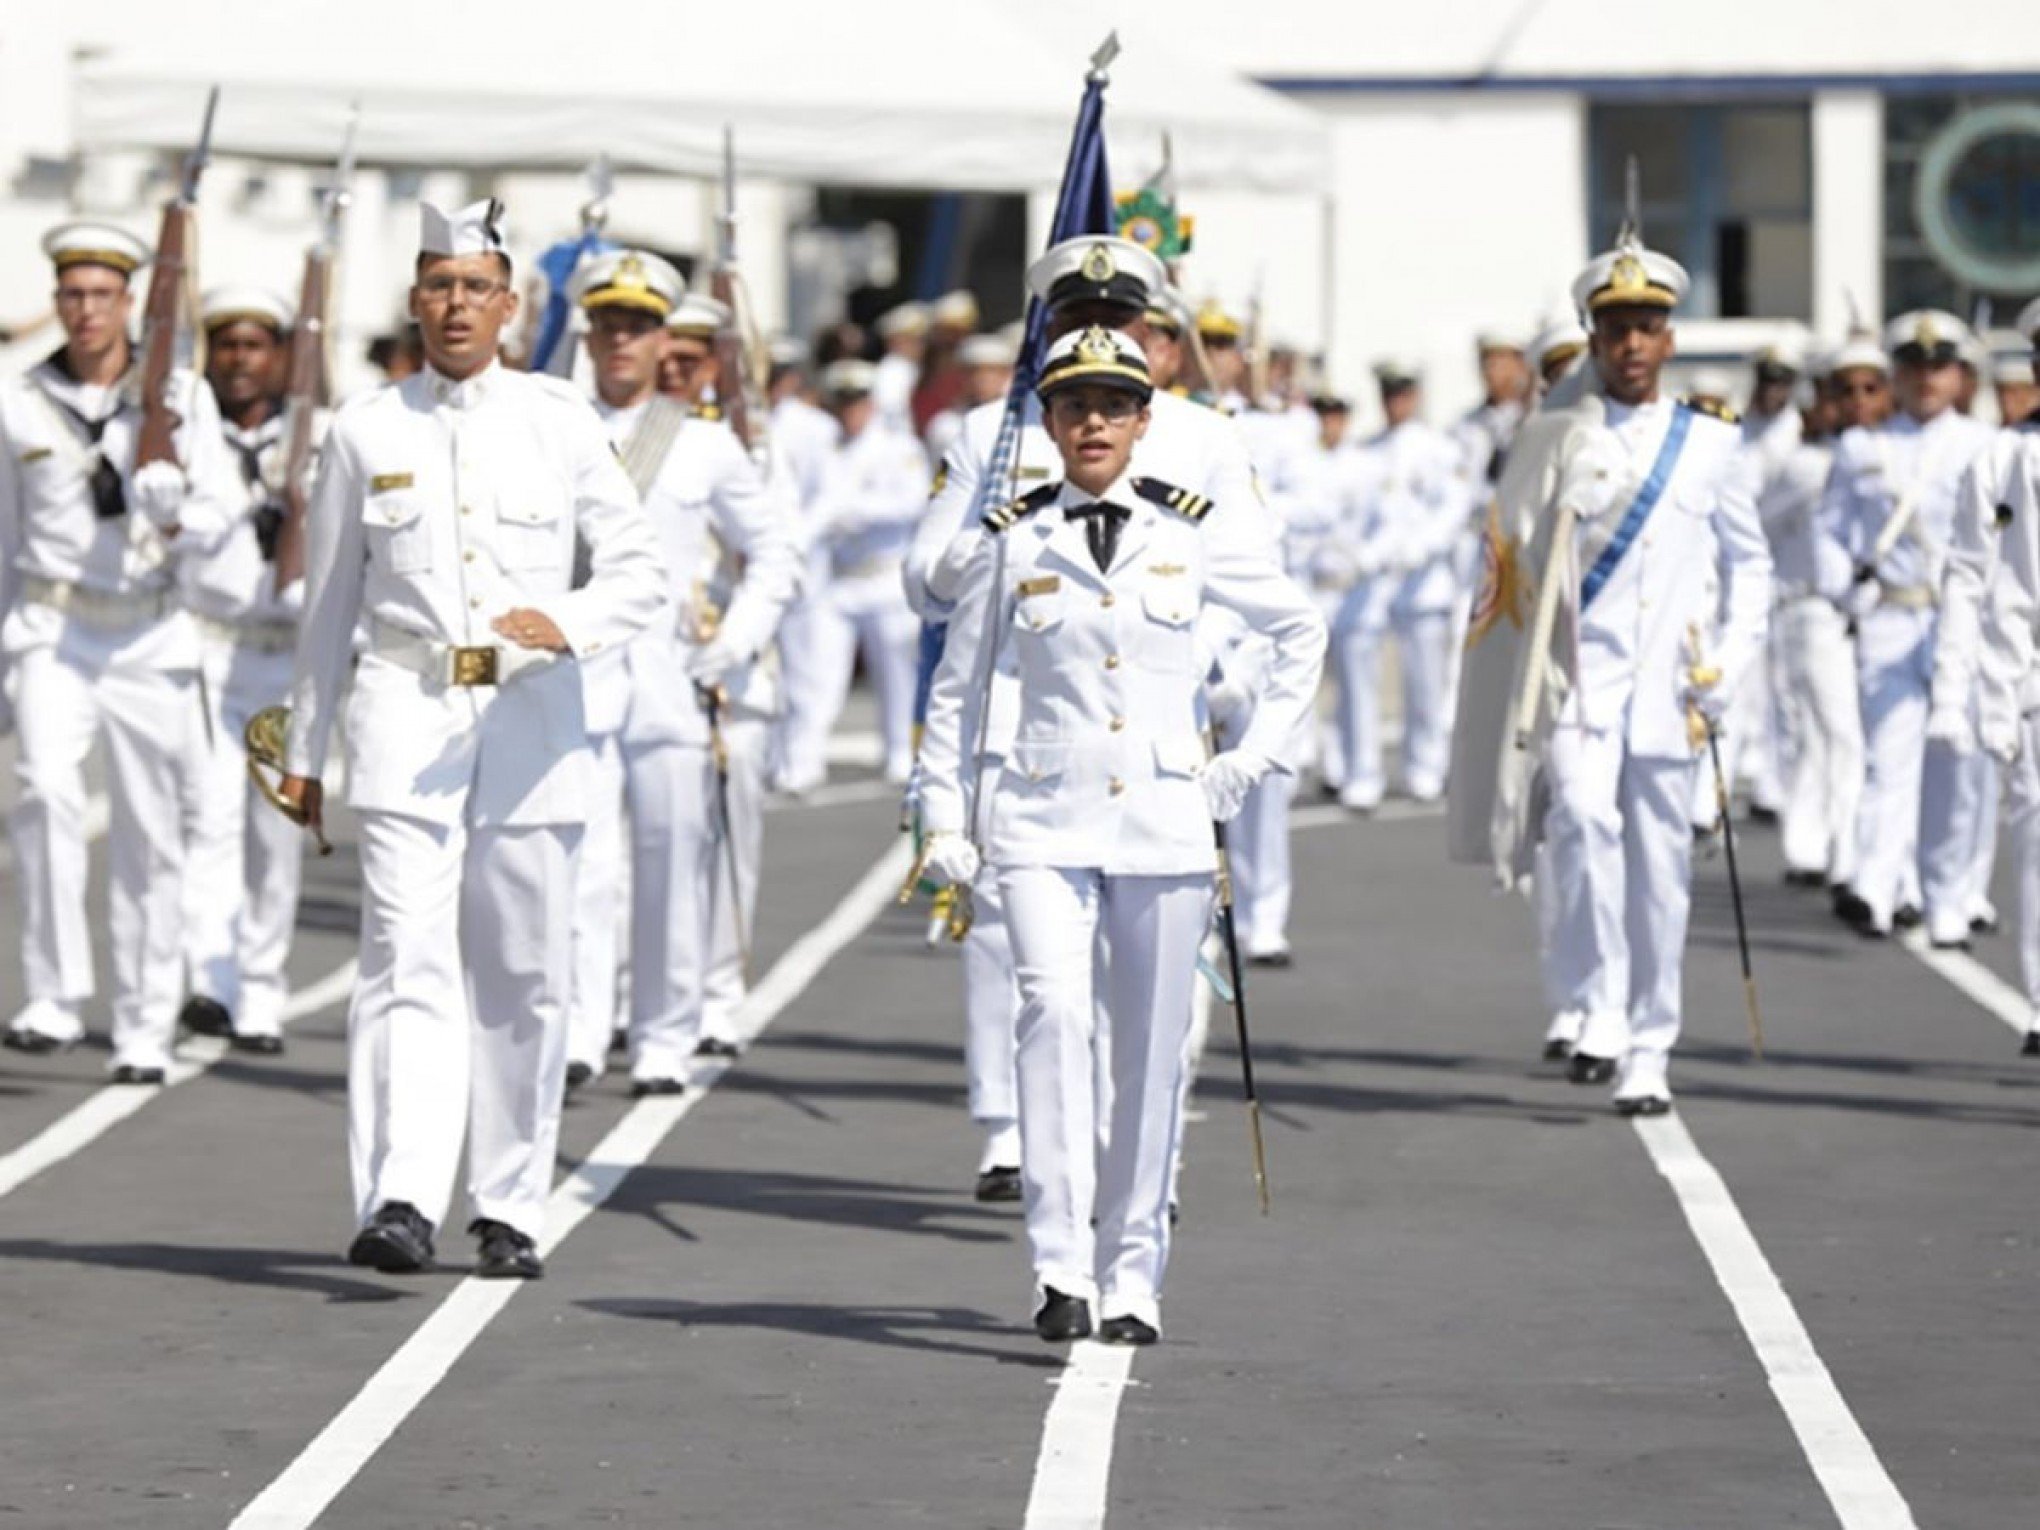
671,791
459,1021
726,981
991,1013
2022,821
1958,838
89,686
1425,640
1817,666
1262,880
243,859
1075,932
1894,666
812,694
601,891
1621,889
889,635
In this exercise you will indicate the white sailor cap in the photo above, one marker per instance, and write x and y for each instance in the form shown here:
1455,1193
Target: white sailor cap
906,319
1860,352
1557,342
1711,383
1095,354
698,314
476,229
1926,335
237,305
95,244
627,279
1498,340
2028,322
1630,276
1780,360
2012,369
848,378
955,310
1096,268
1395,373
993,350
787,351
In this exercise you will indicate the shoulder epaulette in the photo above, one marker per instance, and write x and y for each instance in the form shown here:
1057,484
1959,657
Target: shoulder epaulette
1709,407
1007,516
1192,507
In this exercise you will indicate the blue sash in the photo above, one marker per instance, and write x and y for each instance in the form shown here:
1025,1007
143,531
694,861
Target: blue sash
1639,510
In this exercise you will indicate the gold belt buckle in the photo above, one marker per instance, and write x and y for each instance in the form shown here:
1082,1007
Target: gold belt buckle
474,666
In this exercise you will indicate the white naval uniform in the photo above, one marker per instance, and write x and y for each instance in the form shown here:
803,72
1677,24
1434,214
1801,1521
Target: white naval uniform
1755,745
441,505
803,440
892,389
715,514
1814,666
94,644
1187,444
1308,495
1917,825
872,494
1620,760
1420,521
1099,835
243,859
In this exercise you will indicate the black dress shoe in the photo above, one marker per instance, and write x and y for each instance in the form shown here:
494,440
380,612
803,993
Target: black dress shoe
260,1046
1870,931
1849,908
1983,924
2030,1047
1908,917
1585,1068
619,1040
1062,1318
1806,879
1556,1050
1272,959
205,1017
128,1073
1758,813
642,1088
715,1046
1960,943
578,1074
1644,1105
998,1183
1126,1330
397,1240
505,1253
35,1043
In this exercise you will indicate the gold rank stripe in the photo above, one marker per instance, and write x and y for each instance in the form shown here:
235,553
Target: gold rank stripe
382,483
1048,584
37,453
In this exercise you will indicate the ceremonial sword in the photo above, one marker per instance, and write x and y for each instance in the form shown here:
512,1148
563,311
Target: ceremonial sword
1698,726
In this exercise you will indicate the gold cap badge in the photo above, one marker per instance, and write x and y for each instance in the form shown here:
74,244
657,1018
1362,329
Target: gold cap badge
1099,265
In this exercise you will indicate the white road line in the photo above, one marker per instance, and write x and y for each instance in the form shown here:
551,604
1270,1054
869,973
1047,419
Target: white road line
89,1120
1073,1471
1975,980
323,1469
1843,1460
837,796
855,747
1396,810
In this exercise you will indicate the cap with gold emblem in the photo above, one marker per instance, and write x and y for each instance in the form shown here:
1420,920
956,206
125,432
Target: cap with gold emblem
1094,268
1558,344
698,314
627,279
1630,276
1926,336
476,229
94,244
244,305
1214,322
1095,354
906,319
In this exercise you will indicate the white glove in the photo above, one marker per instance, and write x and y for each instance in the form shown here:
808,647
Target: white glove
1950,726
2002,745
1710,701
952,860
712,662
158,489
1227,779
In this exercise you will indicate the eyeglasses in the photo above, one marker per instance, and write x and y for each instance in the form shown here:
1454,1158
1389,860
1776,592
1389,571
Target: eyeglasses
1115,408
89,297
476,289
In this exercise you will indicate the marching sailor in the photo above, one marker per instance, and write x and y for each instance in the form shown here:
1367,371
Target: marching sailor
804,439
449,516
1088,588
1665,489
95,644
243,860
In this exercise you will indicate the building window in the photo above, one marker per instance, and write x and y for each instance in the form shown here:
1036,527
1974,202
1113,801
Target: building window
1727,192
1961,204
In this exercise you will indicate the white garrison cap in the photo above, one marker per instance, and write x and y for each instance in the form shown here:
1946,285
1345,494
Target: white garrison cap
1926,334
235,305
477,229
1095,354
1096,268
2028,321
848,378
627,279
698,314
1397,372
1630,276
95,244
994,350
907,319
955,310
1560,340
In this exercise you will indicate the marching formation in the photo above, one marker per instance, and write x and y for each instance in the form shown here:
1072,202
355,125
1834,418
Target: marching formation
562,639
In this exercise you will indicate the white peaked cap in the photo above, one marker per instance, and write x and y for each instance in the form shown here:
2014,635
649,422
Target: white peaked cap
232,305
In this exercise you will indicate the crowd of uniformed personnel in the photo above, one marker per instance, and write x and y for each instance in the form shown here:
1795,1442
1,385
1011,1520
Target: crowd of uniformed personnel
568,635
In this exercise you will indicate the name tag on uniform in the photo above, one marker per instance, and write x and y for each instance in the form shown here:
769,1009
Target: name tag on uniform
36,454
1166,570
1032,472
382,483
1048,584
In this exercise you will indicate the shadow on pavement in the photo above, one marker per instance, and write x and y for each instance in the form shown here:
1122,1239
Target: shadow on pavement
864,1204
914,1328
281,1269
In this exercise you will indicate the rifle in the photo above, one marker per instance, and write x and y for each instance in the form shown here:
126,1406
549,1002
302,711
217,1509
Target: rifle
739,388
166,337
310,381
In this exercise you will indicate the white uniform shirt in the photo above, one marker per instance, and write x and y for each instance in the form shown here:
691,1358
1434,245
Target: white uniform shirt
440,506
1423,509
1108,673
1875,470
1634,645
1803,561
1989,595
892,390
872,493
234,581
1483,435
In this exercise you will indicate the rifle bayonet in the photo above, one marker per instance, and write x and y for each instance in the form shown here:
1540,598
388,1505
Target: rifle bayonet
201,153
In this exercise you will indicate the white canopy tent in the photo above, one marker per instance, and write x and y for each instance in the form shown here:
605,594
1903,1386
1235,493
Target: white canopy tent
903,93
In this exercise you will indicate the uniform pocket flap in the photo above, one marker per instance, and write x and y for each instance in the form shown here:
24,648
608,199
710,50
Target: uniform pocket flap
1172,608
1041,612
394,511
1036,761
1178,756
530,514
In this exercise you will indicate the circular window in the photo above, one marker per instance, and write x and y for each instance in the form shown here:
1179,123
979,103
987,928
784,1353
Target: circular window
1978,197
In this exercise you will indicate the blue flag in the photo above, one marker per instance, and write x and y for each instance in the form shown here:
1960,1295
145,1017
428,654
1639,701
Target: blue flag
558,264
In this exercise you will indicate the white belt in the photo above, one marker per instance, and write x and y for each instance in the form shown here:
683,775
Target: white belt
98,608
257,634
1907,597
452,663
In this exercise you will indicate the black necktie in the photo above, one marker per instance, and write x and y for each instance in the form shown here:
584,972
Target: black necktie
108,500
1101,529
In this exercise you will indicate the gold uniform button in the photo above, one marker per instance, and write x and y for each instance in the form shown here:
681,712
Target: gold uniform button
468,556
1108,601
467,509
1118,786
1112,661
1034,775
1118,724
475,603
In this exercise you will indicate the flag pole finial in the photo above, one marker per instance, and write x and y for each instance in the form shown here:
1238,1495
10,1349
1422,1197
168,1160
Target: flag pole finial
1101,61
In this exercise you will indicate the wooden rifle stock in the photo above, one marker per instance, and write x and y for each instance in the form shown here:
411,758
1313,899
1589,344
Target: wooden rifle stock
732,377
307,391
161,317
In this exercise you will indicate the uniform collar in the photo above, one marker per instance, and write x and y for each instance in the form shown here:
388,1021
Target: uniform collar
466,394
1070,497
269,430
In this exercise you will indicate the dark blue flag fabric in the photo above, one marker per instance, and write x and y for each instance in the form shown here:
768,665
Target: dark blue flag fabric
557,265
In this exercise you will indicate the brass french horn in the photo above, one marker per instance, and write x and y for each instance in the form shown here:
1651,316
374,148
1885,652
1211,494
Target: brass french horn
265,736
